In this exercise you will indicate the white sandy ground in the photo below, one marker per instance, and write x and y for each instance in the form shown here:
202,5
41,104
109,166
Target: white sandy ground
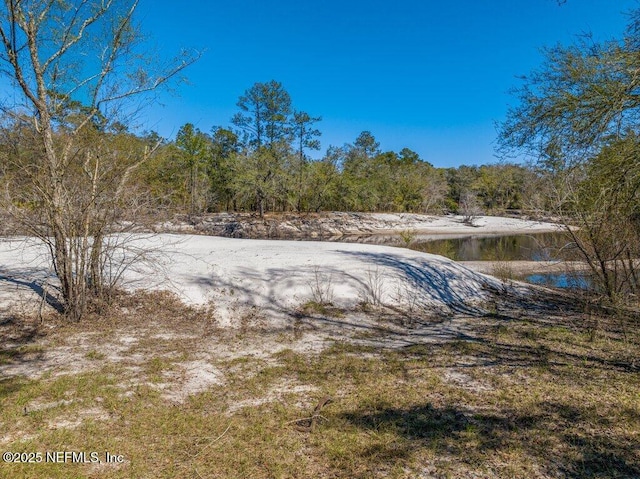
349,224
452,224
241,277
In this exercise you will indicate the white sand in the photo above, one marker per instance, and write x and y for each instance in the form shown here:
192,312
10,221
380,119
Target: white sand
267,278
452,224
367,227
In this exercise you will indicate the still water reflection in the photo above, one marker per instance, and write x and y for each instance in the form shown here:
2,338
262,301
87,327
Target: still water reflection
535,247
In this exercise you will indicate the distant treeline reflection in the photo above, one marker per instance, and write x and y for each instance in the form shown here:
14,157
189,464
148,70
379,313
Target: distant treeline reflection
534,247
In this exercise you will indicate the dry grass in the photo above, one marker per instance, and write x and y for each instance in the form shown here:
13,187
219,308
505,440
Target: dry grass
532,393
504,271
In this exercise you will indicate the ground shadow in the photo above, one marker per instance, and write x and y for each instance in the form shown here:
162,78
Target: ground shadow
465,437
17,334
443,282
391,324
21,279
431,289
556,436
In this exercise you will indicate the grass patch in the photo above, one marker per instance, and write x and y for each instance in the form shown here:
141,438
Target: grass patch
325,309
95,355
503,270
525,396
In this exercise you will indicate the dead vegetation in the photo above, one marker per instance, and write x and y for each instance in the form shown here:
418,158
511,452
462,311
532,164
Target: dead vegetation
535,387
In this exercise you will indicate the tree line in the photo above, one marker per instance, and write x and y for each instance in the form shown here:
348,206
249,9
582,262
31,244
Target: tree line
260,163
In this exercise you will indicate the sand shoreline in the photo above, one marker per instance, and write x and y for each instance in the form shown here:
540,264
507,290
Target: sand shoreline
347,226
274,278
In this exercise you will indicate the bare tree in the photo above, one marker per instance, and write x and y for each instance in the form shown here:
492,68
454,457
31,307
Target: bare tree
75,66
469,207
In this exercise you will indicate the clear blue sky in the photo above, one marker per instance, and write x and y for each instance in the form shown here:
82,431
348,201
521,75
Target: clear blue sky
432,76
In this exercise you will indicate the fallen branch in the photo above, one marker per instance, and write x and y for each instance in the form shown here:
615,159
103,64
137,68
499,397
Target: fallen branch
308,424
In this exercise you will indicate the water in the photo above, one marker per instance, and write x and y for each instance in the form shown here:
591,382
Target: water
534,247
524,247
561,280
528,247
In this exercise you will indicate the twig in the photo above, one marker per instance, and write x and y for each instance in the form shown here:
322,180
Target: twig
212,442
313,419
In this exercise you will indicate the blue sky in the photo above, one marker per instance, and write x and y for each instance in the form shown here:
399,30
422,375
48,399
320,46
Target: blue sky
432,76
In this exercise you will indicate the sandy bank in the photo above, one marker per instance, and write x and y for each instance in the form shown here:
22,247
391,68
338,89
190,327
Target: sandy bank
271,278
338,225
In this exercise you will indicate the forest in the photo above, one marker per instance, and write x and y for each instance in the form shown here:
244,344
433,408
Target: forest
261,163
